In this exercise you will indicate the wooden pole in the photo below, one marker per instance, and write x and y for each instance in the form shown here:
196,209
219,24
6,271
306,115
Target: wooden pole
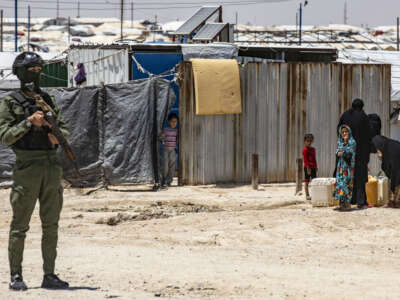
29,26
69,30
58,9
16,25
398,34
299,175
1,30
122,19
254,171
131,14
300,21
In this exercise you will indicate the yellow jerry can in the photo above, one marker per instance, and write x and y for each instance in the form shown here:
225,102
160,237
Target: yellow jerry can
371,188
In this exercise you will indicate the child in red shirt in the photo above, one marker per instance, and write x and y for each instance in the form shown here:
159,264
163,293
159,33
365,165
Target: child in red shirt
310,162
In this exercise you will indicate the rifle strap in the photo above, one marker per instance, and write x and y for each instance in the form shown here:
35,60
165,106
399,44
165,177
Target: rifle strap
23,102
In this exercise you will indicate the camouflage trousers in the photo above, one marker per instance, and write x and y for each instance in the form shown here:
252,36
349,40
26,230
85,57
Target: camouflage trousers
37,175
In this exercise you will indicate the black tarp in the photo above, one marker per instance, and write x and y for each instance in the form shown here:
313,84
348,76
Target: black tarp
114,132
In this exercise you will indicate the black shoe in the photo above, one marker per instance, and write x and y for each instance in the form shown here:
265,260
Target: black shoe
51,281
17,283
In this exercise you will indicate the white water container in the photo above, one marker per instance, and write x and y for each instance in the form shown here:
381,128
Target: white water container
383,191
321,190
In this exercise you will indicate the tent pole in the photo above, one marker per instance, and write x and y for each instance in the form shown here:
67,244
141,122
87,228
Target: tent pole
398,34
1,30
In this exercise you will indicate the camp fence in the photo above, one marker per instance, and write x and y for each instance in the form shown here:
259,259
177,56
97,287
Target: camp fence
281,102
114,132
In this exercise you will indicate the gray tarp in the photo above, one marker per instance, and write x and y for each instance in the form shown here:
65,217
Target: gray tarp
214,51
113,133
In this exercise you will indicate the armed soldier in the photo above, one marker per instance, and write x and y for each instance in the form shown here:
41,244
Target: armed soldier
37,172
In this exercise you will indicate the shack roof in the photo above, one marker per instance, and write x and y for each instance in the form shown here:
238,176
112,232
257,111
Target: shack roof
289,53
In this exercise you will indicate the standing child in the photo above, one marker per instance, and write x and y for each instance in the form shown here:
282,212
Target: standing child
310,162
169,137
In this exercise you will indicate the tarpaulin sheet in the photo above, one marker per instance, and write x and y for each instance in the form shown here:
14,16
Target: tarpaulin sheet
114,132
82,111
133,119
217,86
209,51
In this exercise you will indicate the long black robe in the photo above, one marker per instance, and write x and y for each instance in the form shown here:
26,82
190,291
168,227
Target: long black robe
375,125
390,158
360,127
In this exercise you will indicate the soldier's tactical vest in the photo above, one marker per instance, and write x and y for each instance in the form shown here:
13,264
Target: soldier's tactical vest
36,138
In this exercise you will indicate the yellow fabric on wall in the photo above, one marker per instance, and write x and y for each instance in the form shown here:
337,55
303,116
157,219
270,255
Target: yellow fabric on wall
217,86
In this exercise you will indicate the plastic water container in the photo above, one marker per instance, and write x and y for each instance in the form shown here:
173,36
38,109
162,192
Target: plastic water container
383,191
321,192
371,188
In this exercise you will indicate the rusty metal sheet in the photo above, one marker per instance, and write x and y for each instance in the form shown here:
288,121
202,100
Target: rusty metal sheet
281,102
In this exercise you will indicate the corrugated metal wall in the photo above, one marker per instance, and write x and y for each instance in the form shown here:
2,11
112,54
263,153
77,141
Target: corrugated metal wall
281,102
107,65
54,75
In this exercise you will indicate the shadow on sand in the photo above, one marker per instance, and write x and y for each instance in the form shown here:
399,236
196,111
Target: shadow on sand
71,288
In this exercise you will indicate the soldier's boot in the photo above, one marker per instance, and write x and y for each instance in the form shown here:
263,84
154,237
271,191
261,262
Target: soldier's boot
17,283
51,281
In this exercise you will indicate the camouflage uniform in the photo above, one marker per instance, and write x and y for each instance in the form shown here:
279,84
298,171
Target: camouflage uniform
37,175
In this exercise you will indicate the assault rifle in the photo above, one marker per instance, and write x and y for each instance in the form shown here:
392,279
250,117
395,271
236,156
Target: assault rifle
50,117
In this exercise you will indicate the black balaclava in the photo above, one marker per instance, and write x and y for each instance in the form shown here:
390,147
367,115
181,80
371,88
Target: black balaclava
357,104
20,68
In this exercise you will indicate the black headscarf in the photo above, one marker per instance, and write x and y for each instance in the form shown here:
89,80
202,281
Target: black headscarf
359,124
390,158
357,104
375,124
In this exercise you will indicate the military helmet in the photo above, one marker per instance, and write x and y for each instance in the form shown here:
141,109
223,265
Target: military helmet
26,60
20,68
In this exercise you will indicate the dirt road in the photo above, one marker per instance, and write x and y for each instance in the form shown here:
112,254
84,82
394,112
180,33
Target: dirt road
212,243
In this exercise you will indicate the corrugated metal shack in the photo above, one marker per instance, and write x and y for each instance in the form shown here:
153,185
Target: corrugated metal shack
107,64
281,102
54,74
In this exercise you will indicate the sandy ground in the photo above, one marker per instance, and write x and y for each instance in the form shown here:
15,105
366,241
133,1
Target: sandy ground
212,243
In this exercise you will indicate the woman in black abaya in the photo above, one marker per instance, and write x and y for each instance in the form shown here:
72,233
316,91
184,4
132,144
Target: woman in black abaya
389,152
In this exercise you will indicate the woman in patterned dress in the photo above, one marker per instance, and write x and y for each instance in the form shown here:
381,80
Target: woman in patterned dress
346,153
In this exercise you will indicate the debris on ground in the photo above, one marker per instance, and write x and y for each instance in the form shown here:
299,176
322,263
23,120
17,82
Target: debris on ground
157,210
